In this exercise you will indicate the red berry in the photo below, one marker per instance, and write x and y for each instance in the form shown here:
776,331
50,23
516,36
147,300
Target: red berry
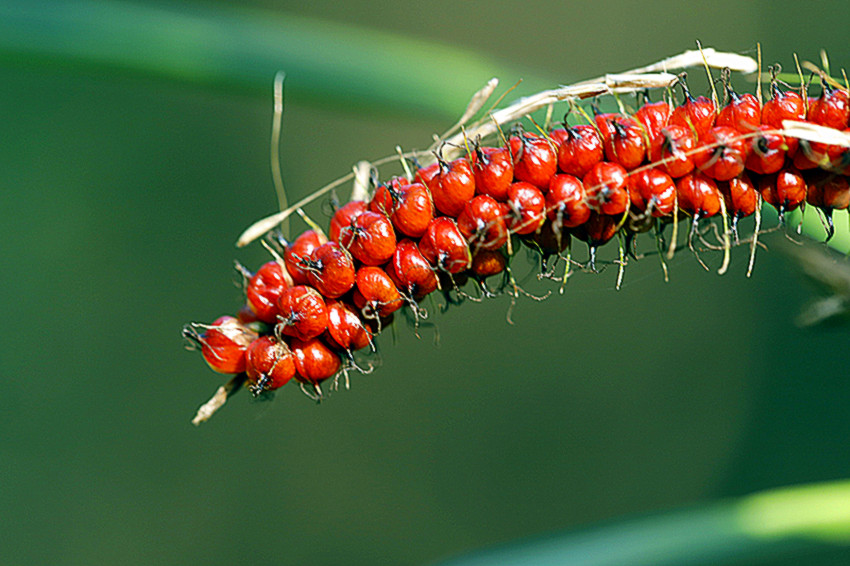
697,114
331,270
566,204
488,262
653,116
344,217
605,185
303,313
314,361
722,153
371,239
425,174
376,294
605,124
740,196
494,172
767,152
698,195
811,155
269,364
246,315
598,230
482,224
444,246
626,144
832,109
535,159
408,206
558,135
785,190
345,327
410,271
453,186
526,208
783,106
264,289
827,190
299,250
580,150
672,150
652,191
223,343
742,113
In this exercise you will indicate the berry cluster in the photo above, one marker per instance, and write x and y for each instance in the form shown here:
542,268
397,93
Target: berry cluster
324,297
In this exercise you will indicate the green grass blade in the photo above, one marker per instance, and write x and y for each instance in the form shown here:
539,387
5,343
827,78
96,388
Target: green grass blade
761,525
241,49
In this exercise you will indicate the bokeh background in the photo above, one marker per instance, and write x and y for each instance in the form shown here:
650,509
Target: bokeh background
121,196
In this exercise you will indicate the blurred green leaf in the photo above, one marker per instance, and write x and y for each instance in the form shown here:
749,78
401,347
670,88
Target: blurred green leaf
761,525
241,49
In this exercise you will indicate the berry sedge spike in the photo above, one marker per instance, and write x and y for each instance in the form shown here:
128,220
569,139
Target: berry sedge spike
498,181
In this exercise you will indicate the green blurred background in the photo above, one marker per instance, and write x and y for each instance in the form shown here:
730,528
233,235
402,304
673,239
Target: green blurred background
121,195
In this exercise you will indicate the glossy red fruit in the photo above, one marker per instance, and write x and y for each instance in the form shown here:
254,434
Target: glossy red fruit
314,361
410,271
722,154
832,109
742,113
626,144
425,174
246,315
652,191
409,207
811,155
345,327
264,289
605,186
672,150
827,190
598,230
269,364
223,343
558,135
784,105
696,114
444,246
303,313
371,239
740,196
785,190
452,186
486,263
494,172
580,150
299,250
376,294
482,224
526,208
566,204
331,270
535,159
604,123
653,116
767,151
344,217
698,195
